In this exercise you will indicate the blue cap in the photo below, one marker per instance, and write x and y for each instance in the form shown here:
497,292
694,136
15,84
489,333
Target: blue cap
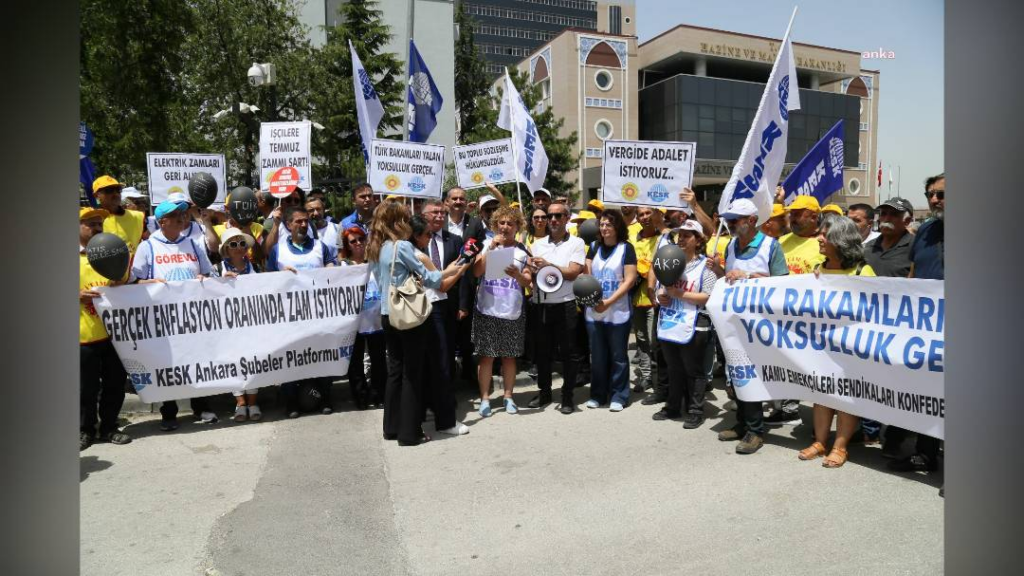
167,206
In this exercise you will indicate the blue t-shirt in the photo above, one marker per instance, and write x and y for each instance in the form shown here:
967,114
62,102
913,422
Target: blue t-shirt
927,253
353,220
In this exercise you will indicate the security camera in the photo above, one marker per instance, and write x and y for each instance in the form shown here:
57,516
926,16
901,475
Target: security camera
256,76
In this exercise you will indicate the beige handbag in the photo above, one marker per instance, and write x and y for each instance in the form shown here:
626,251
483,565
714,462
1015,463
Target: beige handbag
408,304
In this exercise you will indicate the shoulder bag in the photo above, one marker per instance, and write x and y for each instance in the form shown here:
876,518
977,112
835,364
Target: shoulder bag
408,306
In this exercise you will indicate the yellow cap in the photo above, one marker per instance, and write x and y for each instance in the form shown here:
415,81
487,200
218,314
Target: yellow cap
514,205
105,182
584,215
832,208
392,197
86,213
777,210
595,203
663,210
804,202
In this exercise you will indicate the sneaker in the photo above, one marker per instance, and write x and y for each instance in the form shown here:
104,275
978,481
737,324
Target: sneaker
592,404
168,425
207,418
485,408
567,409
510,406
654,399
327,410
84,441
539,400
616,407
254,412
115,437
241,414
666,414
913,463
751,443
458,430
730,435
692,421
781,417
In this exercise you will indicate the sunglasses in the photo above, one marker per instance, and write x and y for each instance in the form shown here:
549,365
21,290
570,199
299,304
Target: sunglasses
236,244
355,240
557,215
940,194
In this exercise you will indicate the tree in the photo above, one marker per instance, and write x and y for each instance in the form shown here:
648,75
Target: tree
334,101
471,81
562,155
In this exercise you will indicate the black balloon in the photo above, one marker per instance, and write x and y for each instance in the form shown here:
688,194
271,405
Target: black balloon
587,290
242,205
108,255
669,264
202,189
587,230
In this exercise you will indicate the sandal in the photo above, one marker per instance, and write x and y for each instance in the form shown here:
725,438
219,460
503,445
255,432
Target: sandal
835,458
816,450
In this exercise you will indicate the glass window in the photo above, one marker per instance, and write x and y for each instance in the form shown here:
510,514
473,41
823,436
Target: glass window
707,90
739,115
689,117
723,145
739,94
603,79
813,127
706,125
688,136
723,114
706,142
813,103
688,92
797,123
706,111
603,129
826,105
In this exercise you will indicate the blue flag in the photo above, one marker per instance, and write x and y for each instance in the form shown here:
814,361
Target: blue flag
86,170
424,98
820,172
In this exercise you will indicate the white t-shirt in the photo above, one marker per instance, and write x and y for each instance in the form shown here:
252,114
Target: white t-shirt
570,250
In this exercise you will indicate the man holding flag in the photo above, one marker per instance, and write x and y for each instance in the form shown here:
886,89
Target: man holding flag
423,96
369,110
527,150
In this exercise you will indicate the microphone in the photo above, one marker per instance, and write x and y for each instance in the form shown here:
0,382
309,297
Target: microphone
469,251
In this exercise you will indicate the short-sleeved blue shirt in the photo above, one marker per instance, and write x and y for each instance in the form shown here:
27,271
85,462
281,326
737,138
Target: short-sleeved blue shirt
927,253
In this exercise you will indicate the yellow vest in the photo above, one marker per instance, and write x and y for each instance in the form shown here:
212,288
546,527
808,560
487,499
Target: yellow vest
128,226
802,254
90,327
723,241
634,229
645,248
865,271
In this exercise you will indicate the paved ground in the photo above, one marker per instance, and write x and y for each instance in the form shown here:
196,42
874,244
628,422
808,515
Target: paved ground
534,493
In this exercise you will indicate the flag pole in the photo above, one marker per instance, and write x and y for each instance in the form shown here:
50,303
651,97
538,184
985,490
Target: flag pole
899,177
515,155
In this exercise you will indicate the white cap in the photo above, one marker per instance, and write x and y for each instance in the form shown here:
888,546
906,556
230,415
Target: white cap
131,192
692,226
740,209
485,199
543,191
178,197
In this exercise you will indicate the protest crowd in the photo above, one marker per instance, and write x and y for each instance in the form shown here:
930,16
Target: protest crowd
482,329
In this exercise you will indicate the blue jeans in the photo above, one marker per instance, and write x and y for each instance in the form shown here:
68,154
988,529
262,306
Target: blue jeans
609,363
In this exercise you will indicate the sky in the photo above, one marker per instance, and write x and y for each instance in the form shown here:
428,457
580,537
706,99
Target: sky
910,108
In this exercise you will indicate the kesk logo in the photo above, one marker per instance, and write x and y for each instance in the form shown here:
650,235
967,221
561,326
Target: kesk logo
417,184
477,178
496,174
392,182
630,191
139,375
784,97
658,193
739,368
835,154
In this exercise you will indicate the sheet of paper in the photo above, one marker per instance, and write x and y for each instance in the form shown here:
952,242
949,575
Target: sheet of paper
497,261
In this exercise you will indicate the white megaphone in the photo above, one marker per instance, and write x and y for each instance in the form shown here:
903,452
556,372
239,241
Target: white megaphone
549,279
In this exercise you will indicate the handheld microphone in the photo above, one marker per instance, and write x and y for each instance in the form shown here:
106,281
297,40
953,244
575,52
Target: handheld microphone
469,251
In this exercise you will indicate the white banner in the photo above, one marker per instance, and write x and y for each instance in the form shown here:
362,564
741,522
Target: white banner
407,168
197,338
285,144
169,172
477,164
873,347
647,173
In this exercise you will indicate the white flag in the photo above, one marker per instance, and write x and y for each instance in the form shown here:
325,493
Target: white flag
756,173
532,163
369,110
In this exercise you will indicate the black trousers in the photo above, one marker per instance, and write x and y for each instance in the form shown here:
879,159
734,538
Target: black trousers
438,392
926,445
169,409
557,328
687,373
364,392
290,392
659,365
407,361
102,382
464,341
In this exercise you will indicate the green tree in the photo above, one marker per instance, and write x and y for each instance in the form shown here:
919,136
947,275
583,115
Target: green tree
334,101
563,157
471,80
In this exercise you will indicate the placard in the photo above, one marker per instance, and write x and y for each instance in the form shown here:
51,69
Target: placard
285,144
478,164
169,172
407,168
647,173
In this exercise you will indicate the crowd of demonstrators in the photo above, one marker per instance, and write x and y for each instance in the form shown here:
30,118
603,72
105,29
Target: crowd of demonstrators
479,318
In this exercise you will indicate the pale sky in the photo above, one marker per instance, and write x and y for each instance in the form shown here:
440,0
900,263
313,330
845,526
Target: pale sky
910,108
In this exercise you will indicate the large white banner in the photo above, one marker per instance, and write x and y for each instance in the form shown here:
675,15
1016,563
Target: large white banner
169,172
197,338
478,164
285,144
645,173
407,168
873,347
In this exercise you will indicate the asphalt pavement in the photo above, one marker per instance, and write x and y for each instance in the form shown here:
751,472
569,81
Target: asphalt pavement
537,492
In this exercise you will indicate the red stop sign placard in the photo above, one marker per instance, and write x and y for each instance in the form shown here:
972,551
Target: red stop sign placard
283,182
